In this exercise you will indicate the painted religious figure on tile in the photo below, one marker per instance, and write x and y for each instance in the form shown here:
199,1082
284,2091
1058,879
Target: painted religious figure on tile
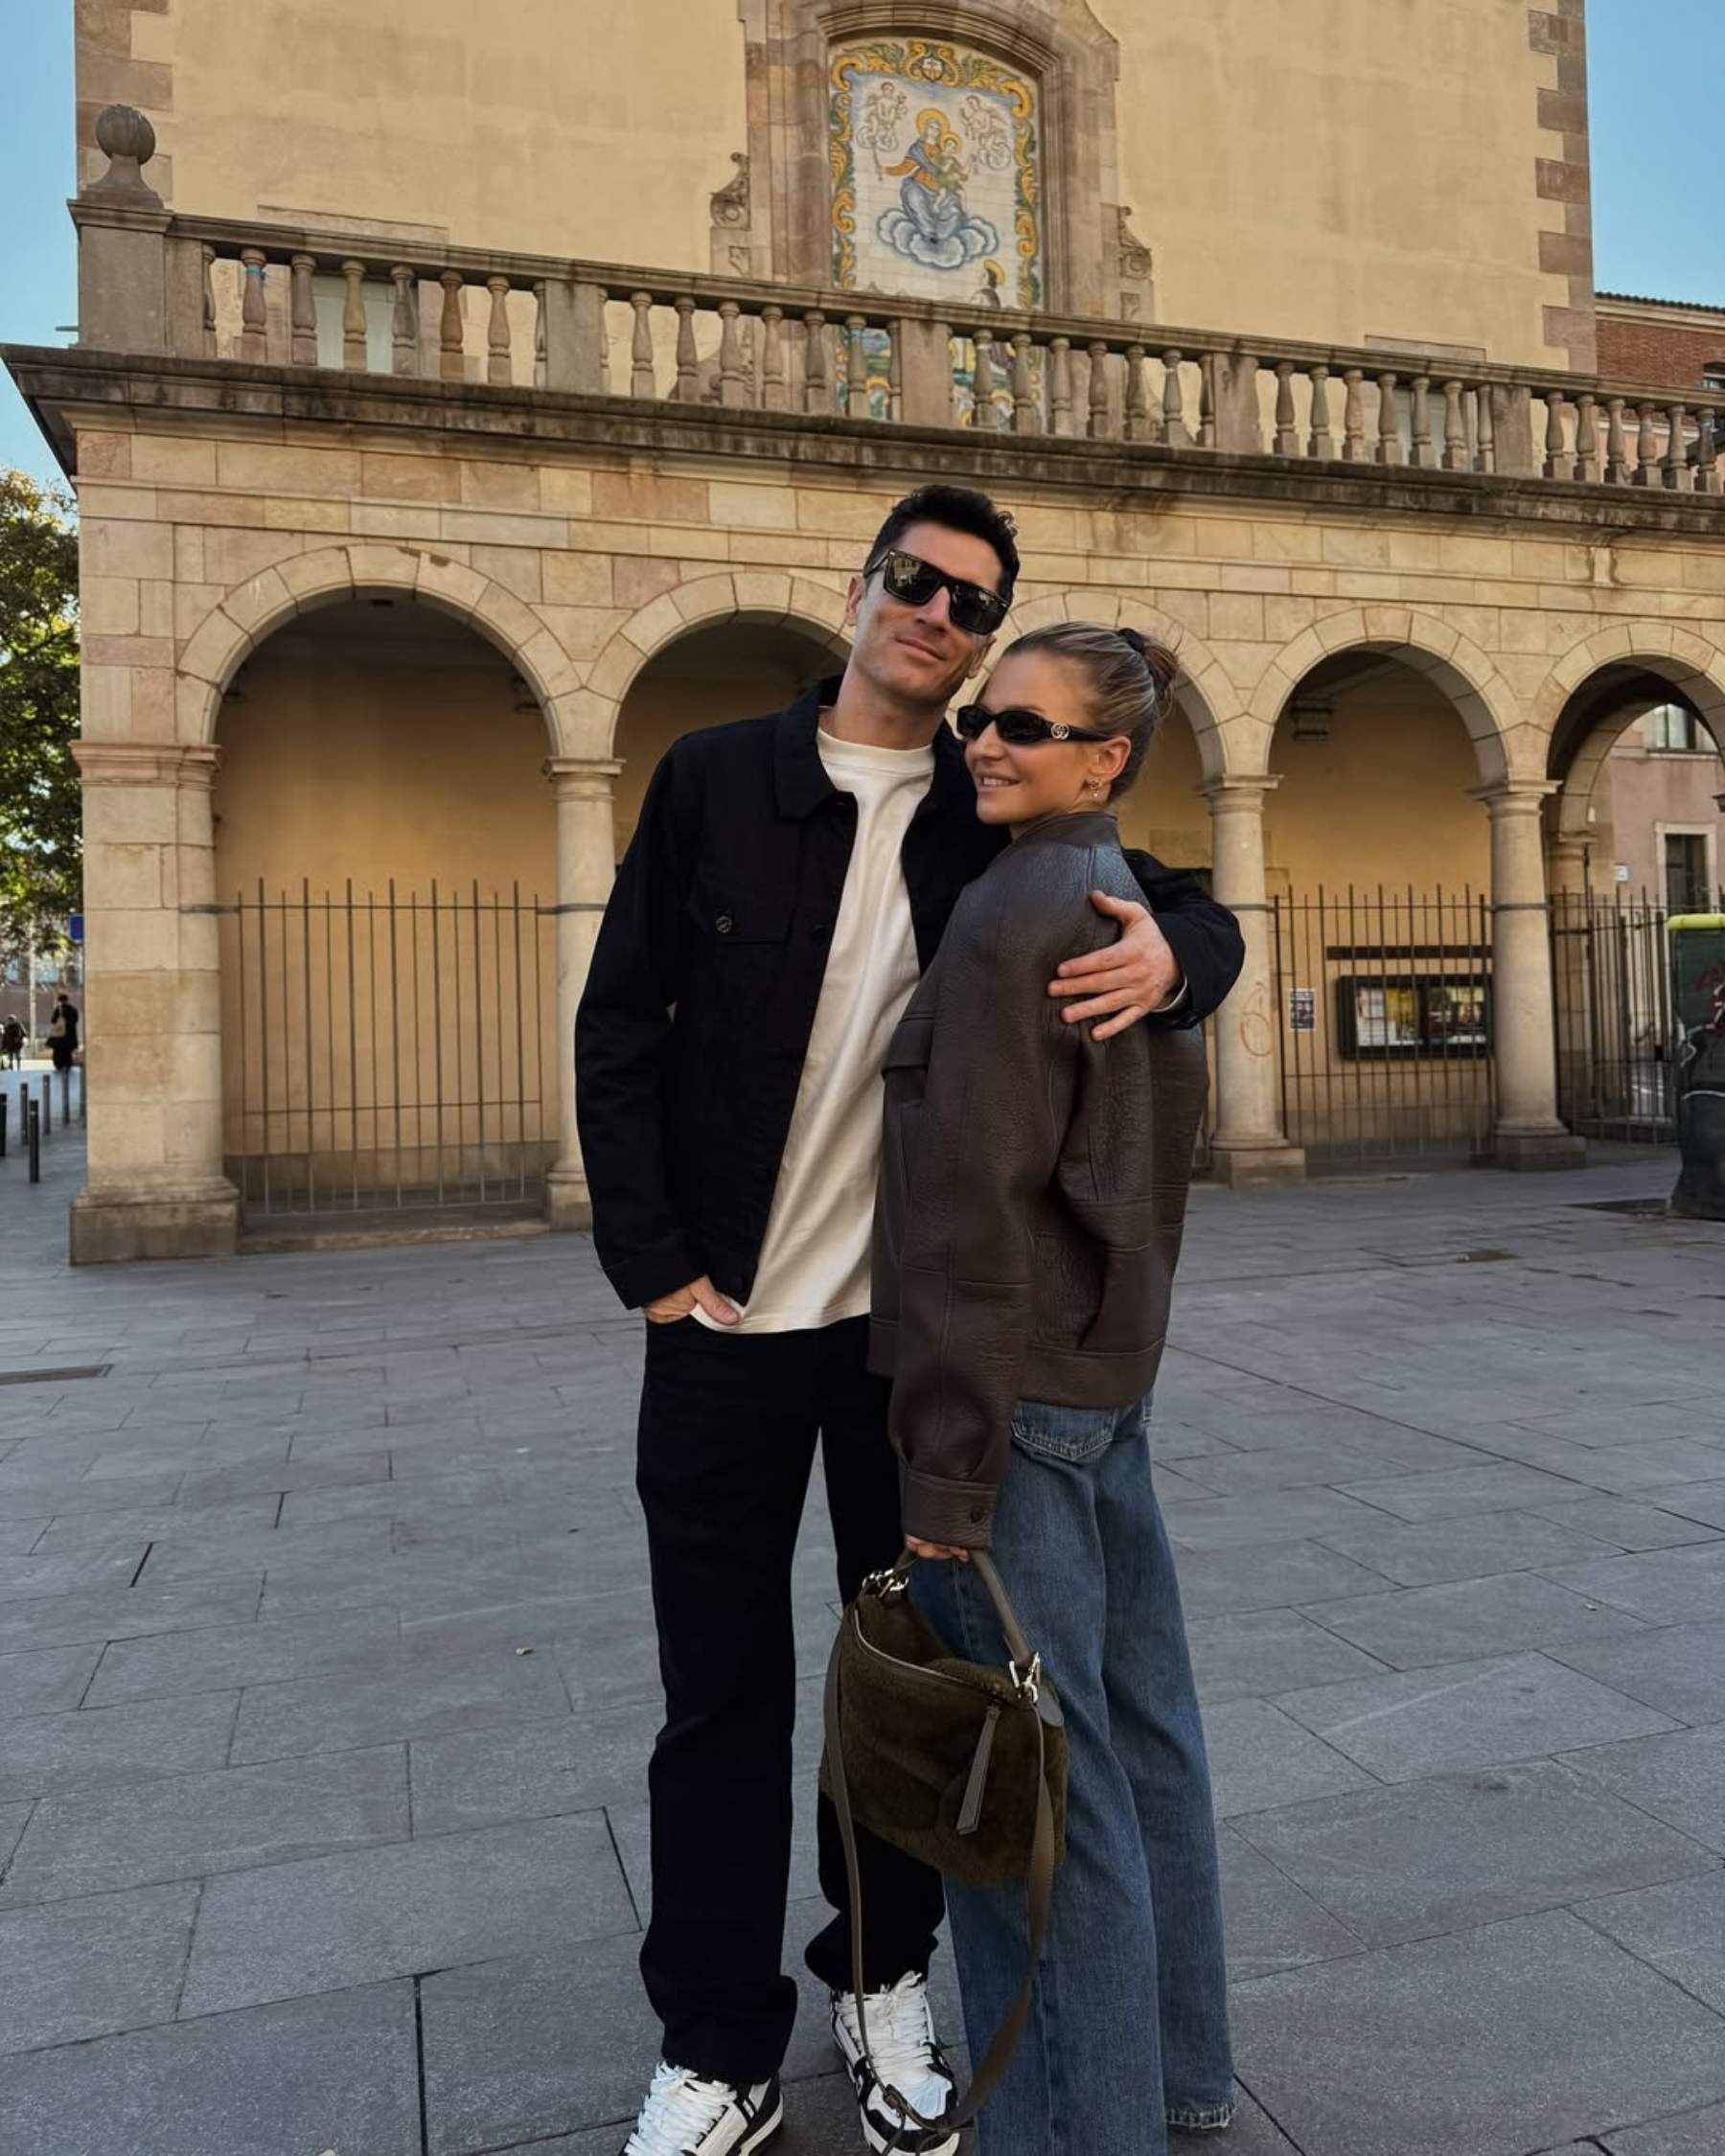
935,184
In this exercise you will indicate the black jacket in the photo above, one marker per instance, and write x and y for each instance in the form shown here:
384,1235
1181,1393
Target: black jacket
700,998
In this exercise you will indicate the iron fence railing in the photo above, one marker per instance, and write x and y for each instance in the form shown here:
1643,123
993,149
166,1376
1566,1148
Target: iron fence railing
388,1049
1384,1002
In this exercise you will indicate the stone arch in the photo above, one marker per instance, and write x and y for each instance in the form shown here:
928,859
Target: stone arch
1577,754
1212,705
1466,674
767,596
245,616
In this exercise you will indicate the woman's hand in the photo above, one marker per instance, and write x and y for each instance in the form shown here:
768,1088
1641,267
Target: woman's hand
1128,979
935,1550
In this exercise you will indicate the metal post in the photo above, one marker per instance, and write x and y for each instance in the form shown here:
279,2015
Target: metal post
47,1106
5,1104
35,1143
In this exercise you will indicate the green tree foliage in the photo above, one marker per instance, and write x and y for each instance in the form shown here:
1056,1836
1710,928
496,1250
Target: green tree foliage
40,835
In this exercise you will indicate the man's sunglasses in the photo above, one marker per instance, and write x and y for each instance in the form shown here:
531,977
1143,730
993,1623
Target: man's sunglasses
1018,729
913,581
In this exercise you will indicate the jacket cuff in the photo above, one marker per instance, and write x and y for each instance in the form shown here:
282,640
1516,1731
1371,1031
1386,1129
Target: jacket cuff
660,1270
959,1513
1185,946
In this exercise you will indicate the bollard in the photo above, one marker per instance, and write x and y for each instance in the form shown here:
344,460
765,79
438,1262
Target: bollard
47,1108
84,1094
66,1098
5,1104
35,1143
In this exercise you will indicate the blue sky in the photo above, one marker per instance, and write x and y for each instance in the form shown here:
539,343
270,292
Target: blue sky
1656,189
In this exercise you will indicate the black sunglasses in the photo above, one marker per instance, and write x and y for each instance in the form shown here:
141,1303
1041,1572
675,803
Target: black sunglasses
914,582
1017,728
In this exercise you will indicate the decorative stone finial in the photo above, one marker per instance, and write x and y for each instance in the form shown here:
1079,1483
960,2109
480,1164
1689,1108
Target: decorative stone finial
129,141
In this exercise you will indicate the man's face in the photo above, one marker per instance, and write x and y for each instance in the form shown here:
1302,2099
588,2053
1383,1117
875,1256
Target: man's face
917,654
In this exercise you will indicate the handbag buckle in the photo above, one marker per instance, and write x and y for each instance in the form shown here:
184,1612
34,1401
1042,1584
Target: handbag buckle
1027,1678
887,1584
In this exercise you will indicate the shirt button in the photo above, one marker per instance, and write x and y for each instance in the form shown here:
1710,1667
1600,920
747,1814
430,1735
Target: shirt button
725,923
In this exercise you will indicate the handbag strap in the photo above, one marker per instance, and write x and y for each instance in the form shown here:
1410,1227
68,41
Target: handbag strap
1039,1882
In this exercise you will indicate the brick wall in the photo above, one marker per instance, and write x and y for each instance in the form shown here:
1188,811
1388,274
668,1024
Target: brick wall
1645,345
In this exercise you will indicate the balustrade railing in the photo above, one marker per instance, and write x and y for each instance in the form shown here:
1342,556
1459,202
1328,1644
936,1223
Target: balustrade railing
318,300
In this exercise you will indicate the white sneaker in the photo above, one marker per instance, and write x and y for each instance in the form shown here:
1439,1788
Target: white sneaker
907,2057
685,2116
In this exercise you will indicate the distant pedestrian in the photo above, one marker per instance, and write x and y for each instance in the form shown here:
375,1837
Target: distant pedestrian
11,1044
62,1033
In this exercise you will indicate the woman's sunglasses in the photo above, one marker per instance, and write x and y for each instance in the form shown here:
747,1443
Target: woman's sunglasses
914,582
1018,729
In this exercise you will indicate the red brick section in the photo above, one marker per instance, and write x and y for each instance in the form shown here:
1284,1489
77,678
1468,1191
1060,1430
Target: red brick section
1640,346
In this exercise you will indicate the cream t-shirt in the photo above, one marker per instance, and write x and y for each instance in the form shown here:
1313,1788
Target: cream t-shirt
815,1258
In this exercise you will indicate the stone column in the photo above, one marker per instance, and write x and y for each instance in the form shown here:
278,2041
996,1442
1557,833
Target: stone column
585,865
1528,1134
153,1022
1250,1145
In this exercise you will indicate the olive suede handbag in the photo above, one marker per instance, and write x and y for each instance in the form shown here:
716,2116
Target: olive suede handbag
962,1764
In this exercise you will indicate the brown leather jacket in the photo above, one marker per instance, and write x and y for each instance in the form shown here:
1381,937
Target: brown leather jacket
1034,1182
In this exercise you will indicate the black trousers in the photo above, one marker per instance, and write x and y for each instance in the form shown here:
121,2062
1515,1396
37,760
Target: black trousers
727,1438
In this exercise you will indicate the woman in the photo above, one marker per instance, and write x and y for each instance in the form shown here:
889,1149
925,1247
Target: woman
1032,1194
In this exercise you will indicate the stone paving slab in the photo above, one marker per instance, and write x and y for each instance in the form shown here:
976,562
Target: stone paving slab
312,2074
1374,1454
1436,1856
1697,2133
1490,2042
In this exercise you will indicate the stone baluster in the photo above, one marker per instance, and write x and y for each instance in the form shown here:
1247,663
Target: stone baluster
688,366
1617,445
499,360
1556,441
895,376
1097,421
733,376
818,392
1455,428
1707,453
1587,439
1646,449
209,302
1388,416
403,321
451,363
1138,397
302,312
982,384
856,373
772,359
1424,452
1175,432
542,354
354,356
1677,463
1206,401
1026,412
1059,385
1322,442
642,380
1486,423
254,311
1287,433
1353,417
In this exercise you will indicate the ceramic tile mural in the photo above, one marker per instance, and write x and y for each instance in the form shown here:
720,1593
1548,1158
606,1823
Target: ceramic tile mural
936,187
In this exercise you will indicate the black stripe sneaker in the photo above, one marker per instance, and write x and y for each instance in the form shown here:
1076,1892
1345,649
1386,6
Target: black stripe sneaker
907,2058
685,2116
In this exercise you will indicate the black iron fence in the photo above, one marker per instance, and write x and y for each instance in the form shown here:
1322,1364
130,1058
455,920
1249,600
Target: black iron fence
388,1050
1617,1031
1385,1020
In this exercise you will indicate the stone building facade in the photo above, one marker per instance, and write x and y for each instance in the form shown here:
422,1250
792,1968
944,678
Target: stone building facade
415,521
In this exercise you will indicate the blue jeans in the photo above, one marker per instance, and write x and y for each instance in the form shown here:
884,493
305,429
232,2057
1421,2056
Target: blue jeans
1128,2029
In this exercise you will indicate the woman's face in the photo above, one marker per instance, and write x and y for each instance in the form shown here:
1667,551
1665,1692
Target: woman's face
1021,786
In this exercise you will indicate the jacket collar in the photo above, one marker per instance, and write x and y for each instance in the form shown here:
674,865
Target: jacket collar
1080,827
800,778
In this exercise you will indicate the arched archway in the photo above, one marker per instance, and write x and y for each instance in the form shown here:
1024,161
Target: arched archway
385,857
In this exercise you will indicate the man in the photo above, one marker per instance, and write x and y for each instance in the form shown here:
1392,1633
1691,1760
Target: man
787,879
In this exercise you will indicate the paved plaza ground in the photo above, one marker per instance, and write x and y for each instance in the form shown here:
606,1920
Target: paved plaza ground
328,1684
